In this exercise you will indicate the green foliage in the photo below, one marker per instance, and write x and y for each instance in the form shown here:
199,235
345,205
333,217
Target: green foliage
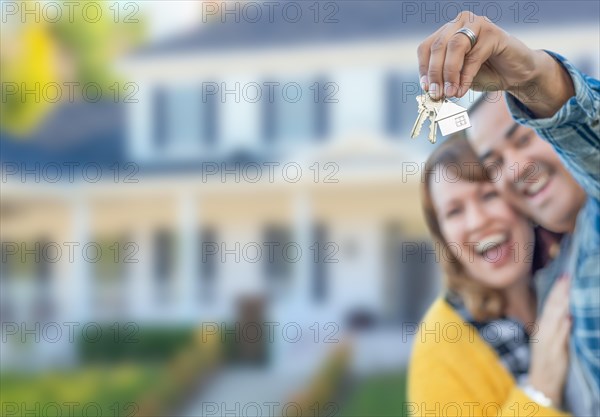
115,389
37,54
94,45
382,395
124,341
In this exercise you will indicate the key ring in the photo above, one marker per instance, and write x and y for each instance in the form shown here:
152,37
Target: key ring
434,100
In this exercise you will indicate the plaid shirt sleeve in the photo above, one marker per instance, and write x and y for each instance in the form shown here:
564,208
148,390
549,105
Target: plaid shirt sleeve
574,131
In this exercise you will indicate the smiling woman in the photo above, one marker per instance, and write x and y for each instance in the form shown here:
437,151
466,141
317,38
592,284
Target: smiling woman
482,233
489,302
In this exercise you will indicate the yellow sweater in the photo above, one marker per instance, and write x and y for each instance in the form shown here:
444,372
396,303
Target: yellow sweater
454,372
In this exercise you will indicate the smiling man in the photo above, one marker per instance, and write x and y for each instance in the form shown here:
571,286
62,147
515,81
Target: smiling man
530,174
532,177
555,113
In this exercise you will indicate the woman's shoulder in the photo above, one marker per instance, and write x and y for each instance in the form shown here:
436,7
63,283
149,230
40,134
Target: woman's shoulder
445,338
446,344
441,311
443,325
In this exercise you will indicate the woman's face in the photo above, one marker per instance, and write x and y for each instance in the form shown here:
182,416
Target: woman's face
493,243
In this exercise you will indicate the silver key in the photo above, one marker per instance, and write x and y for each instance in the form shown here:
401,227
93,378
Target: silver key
428,109
432,126
433,112
432,104
423,115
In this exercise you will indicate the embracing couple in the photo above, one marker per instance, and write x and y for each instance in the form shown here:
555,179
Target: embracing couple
516,331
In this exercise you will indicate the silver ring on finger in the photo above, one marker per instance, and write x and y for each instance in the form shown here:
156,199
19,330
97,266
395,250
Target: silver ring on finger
469,34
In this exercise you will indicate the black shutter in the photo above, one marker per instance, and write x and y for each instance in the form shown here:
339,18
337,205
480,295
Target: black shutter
159,107
393,97
321,109
210,130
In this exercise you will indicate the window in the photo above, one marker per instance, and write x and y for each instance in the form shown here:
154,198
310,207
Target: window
418,277
324,97
400,103
110,272
184,119
240,107
31,262
164,262
361,106
279,262
393,97
269,112
319,282
291,114
159,117
115,254
6,300
460,121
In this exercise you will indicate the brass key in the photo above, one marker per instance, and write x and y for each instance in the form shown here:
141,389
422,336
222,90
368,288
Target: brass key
423,115
428,109
432,126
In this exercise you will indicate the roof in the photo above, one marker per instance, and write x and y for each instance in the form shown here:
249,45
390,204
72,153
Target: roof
351,20
82,132
449,109
81,135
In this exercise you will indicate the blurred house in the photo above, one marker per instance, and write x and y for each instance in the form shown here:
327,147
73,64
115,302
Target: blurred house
264,164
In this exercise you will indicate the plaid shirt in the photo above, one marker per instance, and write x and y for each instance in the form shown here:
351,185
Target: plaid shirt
574,131
505,335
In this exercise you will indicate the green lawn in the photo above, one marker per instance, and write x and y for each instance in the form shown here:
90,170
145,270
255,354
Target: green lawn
148,375
378,396
112,389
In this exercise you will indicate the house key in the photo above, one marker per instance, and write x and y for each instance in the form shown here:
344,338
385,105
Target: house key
428,109
423,115
452,118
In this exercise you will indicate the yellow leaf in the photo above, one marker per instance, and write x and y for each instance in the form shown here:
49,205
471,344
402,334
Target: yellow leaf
26,75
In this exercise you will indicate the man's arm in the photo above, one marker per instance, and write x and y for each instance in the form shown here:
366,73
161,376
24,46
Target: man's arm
545,91
449,65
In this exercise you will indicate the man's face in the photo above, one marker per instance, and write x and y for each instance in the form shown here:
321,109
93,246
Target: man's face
526,170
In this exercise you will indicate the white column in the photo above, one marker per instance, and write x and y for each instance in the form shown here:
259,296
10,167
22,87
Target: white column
81,280
303,226
187,282
298,306
141,294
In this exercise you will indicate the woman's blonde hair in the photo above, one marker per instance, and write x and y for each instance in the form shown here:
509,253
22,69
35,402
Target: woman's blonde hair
456,158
